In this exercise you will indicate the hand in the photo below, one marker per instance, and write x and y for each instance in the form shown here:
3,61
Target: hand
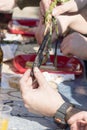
75,44
44,6
75,22
69,7
42,99
7,5
78,121
39,33
63,22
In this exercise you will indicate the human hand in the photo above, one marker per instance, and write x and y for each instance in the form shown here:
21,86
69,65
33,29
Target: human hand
7,5
39,33
78,121
69,7
64,22
75,44
42,99
44,6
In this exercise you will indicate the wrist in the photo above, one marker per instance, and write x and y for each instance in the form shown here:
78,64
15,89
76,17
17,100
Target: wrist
58,103
64,113
70,112
54,108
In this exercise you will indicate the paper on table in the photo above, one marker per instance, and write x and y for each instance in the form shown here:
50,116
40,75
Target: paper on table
8,51
58,78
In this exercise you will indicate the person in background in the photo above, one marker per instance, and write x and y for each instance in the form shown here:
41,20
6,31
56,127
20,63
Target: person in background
44,99
7,5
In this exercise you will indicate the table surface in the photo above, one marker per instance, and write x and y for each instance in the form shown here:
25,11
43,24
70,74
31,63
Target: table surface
21,118
73,91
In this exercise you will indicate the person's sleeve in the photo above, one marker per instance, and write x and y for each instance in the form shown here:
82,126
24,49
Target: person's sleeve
25,3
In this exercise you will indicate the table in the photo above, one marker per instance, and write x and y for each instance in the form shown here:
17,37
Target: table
72,91
20,117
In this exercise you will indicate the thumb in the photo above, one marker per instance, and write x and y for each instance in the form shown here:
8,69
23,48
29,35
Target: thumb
61,9
39,76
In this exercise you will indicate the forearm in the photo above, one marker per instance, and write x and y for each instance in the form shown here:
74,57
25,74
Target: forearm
25,3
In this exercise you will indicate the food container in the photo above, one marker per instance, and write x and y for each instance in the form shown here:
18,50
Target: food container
66,65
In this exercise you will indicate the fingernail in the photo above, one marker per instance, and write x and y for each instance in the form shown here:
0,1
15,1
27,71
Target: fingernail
36,70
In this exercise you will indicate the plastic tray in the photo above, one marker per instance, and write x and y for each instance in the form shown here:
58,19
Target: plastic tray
65,64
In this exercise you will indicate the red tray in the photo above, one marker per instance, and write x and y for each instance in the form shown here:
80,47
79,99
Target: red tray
65,64
32,23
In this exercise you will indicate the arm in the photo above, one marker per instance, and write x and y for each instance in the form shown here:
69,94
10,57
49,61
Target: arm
44,96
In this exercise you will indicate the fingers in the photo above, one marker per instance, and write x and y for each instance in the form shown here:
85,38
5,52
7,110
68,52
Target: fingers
74,127
64,47
44,6
39,77
78,125
64,42
79,116
60,9
39,34
69,7
25,76
42,9
26,80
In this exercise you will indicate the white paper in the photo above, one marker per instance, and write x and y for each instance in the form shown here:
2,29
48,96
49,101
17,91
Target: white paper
58,78
8,51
